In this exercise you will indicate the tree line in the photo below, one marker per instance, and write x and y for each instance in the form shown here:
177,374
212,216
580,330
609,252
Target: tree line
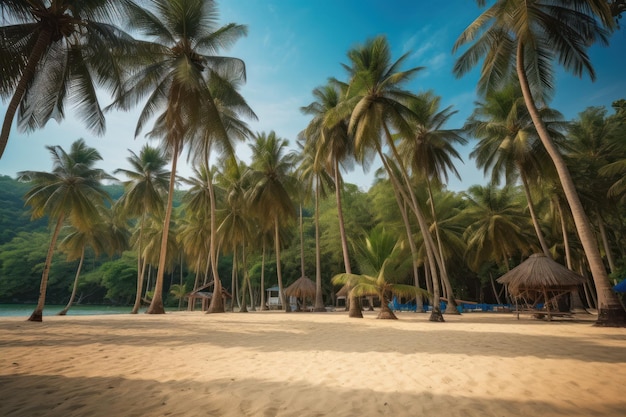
52,49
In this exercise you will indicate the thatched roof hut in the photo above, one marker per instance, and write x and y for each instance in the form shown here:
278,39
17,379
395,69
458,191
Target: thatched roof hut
301,288
540,279
538,272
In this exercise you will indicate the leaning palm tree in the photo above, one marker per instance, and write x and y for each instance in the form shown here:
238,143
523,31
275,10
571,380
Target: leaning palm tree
72,192
143,195
334,148
272,185
383,261
524,37
57,52
175,80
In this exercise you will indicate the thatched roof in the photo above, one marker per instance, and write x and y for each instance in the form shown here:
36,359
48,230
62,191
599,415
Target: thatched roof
302,287
540,272
343,291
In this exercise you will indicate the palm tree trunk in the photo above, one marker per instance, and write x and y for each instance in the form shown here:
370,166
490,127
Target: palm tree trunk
156,305
141,268
279,268
568,252
533,215
605,243
217,302
246,282
302,274
319,301
75,286
233,282
451,306
610,311
43,40
263,305
353,302
37,315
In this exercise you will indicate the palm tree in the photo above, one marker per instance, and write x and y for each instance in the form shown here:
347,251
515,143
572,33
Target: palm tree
508,143
49,47
429,152
383,261
176,80
526,36
496,228
72,192
315,180
178,291
376,102
270,191
334,147
143,196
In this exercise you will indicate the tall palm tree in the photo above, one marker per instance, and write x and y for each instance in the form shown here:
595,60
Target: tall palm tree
143,196
334,148
72,192
57,52
376,102
272,185
315,180
429,152
524,37
508,145
175,79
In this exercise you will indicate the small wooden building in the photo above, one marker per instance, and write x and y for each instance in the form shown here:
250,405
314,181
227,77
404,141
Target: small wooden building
204,295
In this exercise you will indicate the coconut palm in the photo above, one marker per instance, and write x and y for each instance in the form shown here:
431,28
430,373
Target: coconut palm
376,102
334,148
175,80
497,226
143,196
315,180
58,52
271,186
383,262
524,37
429,152
72,192
508,145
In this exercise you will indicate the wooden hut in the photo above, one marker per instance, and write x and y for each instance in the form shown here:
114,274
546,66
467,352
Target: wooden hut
540,281
204,295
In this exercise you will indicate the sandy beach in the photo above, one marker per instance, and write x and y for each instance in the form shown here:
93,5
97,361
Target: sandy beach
309,364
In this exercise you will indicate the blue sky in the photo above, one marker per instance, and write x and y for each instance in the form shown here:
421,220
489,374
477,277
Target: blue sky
294,46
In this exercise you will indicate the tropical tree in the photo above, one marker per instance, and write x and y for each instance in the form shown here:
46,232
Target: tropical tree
508,145
383,262
178,291
72,192
143,196
524,37
58,52
175,79
271,187
334,148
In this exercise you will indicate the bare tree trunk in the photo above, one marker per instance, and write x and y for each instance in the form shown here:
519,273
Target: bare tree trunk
605,243
533,215
37,315
319,301
141,269
610,311
156,305
217,301
263,304
75,286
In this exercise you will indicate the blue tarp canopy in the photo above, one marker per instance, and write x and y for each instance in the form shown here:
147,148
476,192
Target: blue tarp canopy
621,287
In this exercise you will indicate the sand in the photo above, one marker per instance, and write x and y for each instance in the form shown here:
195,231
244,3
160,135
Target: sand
310,364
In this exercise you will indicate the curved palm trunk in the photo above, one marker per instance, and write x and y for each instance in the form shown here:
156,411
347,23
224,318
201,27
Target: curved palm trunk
354,305
279,268
246,282
451,306
75,286
140,269
610,311
436,314
156,305
37,315
319,301
385,312
605,243
533,215
43,40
